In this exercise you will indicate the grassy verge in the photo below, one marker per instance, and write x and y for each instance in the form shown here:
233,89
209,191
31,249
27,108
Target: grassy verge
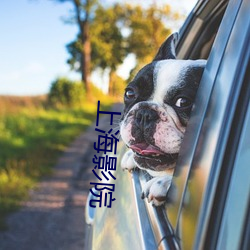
31,139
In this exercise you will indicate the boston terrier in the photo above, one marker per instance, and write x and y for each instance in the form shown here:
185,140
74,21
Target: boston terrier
158,102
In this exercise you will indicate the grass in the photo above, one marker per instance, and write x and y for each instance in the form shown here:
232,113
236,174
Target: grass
31,139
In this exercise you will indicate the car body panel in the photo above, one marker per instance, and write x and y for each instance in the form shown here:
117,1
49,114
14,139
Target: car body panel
126,223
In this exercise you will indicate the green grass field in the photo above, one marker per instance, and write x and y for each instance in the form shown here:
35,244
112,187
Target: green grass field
31,139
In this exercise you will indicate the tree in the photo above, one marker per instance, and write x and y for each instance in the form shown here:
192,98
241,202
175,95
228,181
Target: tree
108,45
108,48
148,31
83,15
119,30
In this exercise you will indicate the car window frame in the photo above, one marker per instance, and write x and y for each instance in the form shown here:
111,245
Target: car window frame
196,25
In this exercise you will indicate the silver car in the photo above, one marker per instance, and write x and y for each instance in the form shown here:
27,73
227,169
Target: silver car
211,183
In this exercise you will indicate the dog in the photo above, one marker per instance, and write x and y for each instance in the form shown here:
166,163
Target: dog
158,102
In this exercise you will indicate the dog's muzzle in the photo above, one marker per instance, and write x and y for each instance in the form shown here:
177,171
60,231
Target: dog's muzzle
154,138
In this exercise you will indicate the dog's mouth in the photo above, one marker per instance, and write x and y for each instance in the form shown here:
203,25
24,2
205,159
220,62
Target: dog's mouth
152,153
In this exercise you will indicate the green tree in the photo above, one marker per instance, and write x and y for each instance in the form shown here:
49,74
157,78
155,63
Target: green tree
119,30
108,48
108,44
83,15
148,30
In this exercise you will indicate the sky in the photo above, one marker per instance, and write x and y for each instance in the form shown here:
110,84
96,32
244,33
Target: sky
32,44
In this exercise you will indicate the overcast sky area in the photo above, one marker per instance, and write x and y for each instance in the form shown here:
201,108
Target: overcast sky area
33,39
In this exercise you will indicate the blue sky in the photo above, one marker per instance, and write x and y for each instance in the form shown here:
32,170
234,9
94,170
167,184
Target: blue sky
32,44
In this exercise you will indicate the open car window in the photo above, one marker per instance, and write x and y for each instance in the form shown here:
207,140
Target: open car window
195,42
205,19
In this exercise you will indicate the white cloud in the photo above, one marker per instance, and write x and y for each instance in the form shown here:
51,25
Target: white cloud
34,68
23,80
19,74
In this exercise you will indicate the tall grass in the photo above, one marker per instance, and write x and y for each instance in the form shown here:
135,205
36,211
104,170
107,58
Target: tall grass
31,139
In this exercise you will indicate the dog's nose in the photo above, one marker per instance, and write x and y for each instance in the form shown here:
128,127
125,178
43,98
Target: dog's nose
145,117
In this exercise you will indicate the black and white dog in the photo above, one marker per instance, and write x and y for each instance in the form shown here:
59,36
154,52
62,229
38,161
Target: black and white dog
158,103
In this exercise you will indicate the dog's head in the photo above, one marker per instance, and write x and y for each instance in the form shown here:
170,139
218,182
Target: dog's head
158,103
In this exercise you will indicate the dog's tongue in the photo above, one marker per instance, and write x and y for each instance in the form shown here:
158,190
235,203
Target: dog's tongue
145,149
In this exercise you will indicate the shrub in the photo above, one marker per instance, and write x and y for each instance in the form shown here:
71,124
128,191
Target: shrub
65,92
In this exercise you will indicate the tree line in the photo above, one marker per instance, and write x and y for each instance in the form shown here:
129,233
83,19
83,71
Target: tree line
107,34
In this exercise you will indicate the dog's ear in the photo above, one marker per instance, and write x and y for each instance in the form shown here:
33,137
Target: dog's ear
167,49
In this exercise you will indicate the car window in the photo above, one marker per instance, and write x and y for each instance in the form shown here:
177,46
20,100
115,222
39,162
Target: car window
204,21
160,219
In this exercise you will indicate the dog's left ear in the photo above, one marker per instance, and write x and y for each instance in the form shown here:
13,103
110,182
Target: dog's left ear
167,49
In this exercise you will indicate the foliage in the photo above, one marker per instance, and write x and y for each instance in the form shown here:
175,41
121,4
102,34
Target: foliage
82,16
74,49
108,48
147,30
107,34
65,92
31,139
119,30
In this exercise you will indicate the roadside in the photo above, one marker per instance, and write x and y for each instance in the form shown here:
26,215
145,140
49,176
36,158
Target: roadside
53,218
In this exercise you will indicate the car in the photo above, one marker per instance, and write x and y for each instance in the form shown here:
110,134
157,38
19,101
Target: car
208,202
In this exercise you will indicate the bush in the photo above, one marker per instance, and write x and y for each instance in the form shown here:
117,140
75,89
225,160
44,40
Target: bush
65,92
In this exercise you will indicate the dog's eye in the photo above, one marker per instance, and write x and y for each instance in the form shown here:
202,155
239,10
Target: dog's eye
183,102
130,94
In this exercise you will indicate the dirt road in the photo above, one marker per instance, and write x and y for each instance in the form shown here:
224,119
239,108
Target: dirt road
53,218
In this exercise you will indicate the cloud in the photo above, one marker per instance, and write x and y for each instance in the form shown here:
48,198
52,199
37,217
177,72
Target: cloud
20,74
22,80
34,67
